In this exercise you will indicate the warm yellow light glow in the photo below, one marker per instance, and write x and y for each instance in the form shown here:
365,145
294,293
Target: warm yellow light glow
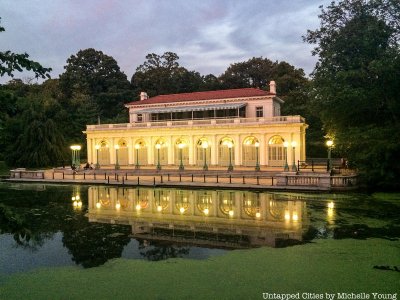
258,215
138,207
75,204
295,216
182,210
73,198
331,205
231,213
181,145
204,145
97,147
75,147
257,144
229,144
158,146
294,144
159,208
329,143
98,205
206,211
77,197
287,215
137,146
80,204
116,147
285,144
118,205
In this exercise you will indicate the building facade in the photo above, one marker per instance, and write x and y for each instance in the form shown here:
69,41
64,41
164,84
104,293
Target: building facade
225,128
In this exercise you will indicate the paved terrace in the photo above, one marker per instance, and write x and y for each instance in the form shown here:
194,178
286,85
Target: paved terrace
240,178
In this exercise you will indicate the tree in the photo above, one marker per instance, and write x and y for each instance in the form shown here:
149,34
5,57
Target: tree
33,138
357,84
258,72
93,75
11,62
163,75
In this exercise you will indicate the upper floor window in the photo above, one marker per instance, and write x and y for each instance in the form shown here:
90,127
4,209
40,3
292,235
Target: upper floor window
139,117
259,111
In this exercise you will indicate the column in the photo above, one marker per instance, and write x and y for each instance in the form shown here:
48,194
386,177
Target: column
191,150
214,150
131,149
263,150
112,151
150,151
171,151
238,146
89,150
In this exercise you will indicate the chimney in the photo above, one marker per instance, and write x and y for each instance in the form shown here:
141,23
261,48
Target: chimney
143,96
272,87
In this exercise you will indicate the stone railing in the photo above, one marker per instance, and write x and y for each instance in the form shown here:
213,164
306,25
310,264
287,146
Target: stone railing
321,181
22,173
199,122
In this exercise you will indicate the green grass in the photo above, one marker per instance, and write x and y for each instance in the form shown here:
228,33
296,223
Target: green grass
327,266
4,170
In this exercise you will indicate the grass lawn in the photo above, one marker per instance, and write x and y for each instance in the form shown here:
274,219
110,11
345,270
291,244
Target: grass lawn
327,266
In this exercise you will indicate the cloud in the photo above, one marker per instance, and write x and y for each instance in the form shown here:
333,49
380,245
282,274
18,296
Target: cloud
207,35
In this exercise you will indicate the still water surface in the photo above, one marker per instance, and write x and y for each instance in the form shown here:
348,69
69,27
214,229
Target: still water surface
58,225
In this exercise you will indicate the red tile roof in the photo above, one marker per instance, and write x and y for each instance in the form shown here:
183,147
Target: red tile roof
209,95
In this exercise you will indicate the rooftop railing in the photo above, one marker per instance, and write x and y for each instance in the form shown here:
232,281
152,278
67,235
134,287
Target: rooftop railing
199,122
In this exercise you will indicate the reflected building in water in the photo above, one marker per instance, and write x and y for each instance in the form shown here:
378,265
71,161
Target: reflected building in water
221,219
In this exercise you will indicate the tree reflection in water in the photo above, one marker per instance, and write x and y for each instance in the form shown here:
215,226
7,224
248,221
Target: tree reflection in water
33,216
156,250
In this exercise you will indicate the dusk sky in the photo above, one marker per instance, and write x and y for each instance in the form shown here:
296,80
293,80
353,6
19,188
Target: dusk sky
207,35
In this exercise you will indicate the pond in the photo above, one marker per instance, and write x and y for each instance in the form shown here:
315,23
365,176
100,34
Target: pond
61,225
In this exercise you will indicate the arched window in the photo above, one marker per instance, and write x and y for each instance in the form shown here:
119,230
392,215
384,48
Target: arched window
226,151
276,151
203,151
140,155
184,144
123,152
249,151
163,151
104,153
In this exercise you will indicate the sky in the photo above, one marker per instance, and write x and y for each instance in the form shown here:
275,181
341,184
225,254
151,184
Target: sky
207,35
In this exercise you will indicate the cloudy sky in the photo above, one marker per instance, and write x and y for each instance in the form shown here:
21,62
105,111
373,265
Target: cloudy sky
208,35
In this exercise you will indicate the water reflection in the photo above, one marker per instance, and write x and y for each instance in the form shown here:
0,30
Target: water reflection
222,219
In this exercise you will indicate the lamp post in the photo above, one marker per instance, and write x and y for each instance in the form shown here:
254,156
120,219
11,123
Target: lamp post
97,156
137,165
181,145
294,144
229,144
116,157
286,167
330,145
257,145
204,145
158,146
75,155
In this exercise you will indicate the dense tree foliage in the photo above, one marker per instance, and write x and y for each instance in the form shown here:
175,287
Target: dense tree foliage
162,74
11,62
94,77
32,132
356,84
